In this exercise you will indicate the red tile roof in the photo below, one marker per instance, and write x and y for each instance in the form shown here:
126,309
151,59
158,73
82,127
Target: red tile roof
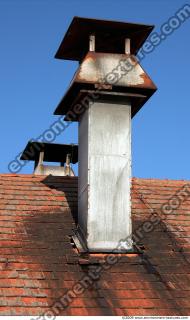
39,263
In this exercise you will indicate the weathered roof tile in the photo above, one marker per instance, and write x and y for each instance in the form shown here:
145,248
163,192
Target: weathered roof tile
38,263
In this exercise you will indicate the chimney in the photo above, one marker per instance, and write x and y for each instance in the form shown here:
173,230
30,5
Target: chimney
39,152
108,89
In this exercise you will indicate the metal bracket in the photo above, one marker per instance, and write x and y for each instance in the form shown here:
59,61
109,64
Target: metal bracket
68,165
127,46
40,160
92,42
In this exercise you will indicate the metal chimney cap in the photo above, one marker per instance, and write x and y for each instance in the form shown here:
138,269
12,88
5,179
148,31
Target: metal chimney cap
110,36
53,152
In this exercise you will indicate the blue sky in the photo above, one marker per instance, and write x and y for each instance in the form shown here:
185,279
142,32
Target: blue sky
32,82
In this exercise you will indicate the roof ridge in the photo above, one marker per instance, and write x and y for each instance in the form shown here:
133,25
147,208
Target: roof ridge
159,179
133,178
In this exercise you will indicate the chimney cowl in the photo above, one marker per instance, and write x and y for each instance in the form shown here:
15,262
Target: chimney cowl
39,152
110,37
102,46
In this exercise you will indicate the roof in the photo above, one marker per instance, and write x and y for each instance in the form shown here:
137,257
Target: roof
39,262
53,152
110,37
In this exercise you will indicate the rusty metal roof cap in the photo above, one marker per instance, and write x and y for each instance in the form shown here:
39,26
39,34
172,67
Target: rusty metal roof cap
53,152
110,36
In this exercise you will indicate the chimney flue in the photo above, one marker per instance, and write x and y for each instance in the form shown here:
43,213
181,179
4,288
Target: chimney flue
102,47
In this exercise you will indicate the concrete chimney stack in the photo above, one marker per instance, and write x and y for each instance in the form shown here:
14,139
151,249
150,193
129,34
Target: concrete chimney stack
108,89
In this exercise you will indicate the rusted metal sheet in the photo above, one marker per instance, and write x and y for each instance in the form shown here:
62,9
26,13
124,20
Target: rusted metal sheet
137,101
111,72
110,37
113,69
